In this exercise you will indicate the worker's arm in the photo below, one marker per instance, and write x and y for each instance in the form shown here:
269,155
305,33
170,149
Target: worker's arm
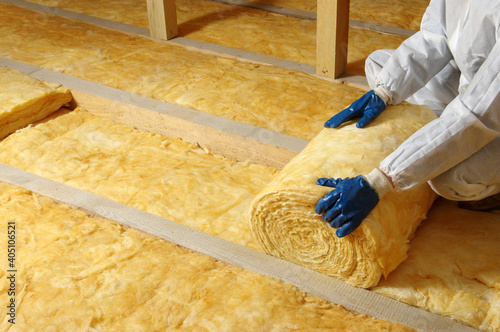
413,64
418,59
467,124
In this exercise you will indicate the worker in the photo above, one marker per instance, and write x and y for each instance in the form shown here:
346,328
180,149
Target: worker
452,65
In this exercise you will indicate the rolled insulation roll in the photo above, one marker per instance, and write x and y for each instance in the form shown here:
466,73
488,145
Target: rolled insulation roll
284,222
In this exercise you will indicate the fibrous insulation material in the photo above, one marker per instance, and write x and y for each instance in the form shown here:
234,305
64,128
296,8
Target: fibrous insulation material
285,224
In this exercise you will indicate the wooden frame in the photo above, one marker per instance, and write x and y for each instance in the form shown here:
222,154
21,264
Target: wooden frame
162,19
218,141
331,40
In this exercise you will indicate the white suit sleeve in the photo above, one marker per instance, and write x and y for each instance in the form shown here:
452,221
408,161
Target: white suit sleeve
418,58
467,124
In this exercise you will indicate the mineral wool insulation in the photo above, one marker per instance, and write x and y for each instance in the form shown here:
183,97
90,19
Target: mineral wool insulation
452,266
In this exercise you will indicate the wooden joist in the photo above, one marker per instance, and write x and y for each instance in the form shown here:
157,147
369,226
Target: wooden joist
162,19
331,39
232,139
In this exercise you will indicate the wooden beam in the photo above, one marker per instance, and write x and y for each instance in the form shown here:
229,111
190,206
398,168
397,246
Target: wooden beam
162,19
331,40
218,141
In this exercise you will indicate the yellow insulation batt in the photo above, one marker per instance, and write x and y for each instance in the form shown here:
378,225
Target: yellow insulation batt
452,266
24,100
184,183
285,224
243,28
405,14
455,275
164,176
240,27
265,96
281,100
81,273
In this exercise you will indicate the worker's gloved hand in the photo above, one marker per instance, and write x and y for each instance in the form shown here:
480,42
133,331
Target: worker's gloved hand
348,204
367,107
352,200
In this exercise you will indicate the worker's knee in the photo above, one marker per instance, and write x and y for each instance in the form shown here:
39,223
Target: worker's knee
473,179
455,186
374,64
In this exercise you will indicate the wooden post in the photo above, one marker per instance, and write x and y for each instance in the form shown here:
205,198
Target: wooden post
331,39
162,19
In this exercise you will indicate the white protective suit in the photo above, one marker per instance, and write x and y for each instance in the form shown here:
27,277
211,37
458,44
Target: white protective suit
453,65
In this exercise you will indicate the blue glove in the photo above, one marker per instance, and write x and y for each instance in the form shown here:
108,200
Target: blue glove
348,204
367,107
